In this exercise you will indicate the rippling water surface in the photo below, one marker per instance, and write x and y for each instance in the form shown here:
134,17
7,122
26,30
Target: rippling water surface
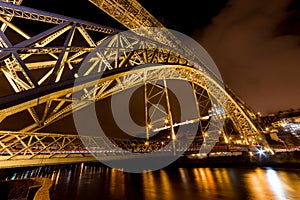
98,182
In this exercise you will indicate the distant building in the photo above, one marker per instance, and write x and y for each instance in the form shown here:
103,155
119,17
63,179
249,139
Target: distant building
283,126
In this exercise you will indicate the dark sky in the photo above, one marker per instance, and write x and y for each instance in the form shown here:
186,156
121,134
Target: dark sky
256,46
255,43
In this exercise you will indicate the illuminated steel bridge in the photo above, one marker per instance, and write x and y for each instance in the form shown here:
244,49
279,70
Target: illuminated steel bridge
43,54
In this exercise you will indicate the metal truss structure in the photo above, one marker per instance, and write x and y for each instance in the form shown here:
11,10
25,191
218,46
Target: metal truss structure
20,149
38,72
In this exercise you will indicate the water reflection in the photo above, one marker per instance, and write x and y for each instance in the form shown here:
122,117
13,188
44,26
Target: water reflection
257,185
275,184
97,182
150,186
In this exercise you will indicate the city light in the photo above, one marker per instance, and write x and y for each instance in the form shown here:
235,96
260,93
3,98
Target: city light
261,152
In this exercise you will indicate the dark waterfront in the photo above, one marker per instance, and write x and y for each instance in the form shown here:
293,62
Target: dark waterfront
78,182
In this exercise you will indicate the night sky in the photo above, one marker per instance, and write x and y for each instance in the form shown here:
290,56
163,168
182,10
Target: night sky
254,43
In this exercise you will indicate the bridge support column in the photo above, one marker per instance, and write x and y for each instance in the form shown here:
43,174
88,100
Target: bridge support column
146,112
170,118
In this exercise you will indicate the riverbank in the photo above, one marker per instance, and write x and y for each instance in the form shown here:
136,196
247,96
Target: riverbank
278,160
282,159
26,189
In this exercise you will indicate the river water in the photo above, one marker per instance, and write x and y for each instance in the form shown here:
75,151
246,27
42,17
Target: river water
86,182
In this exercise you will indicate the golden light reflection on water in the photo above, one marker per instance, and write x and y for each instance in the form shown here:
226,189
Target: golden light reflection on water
117,182
166,186
181,183
257,185
184,178
225,175
222,183
283,184
291,182
275,184
149,184
210,179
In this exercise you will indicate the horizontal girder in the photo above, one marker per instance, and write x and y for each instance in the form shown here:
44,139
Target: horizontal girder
22,149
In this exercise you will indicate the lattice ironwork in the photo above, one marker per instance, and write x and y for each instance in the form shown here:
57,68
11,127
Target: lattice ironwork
38,73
